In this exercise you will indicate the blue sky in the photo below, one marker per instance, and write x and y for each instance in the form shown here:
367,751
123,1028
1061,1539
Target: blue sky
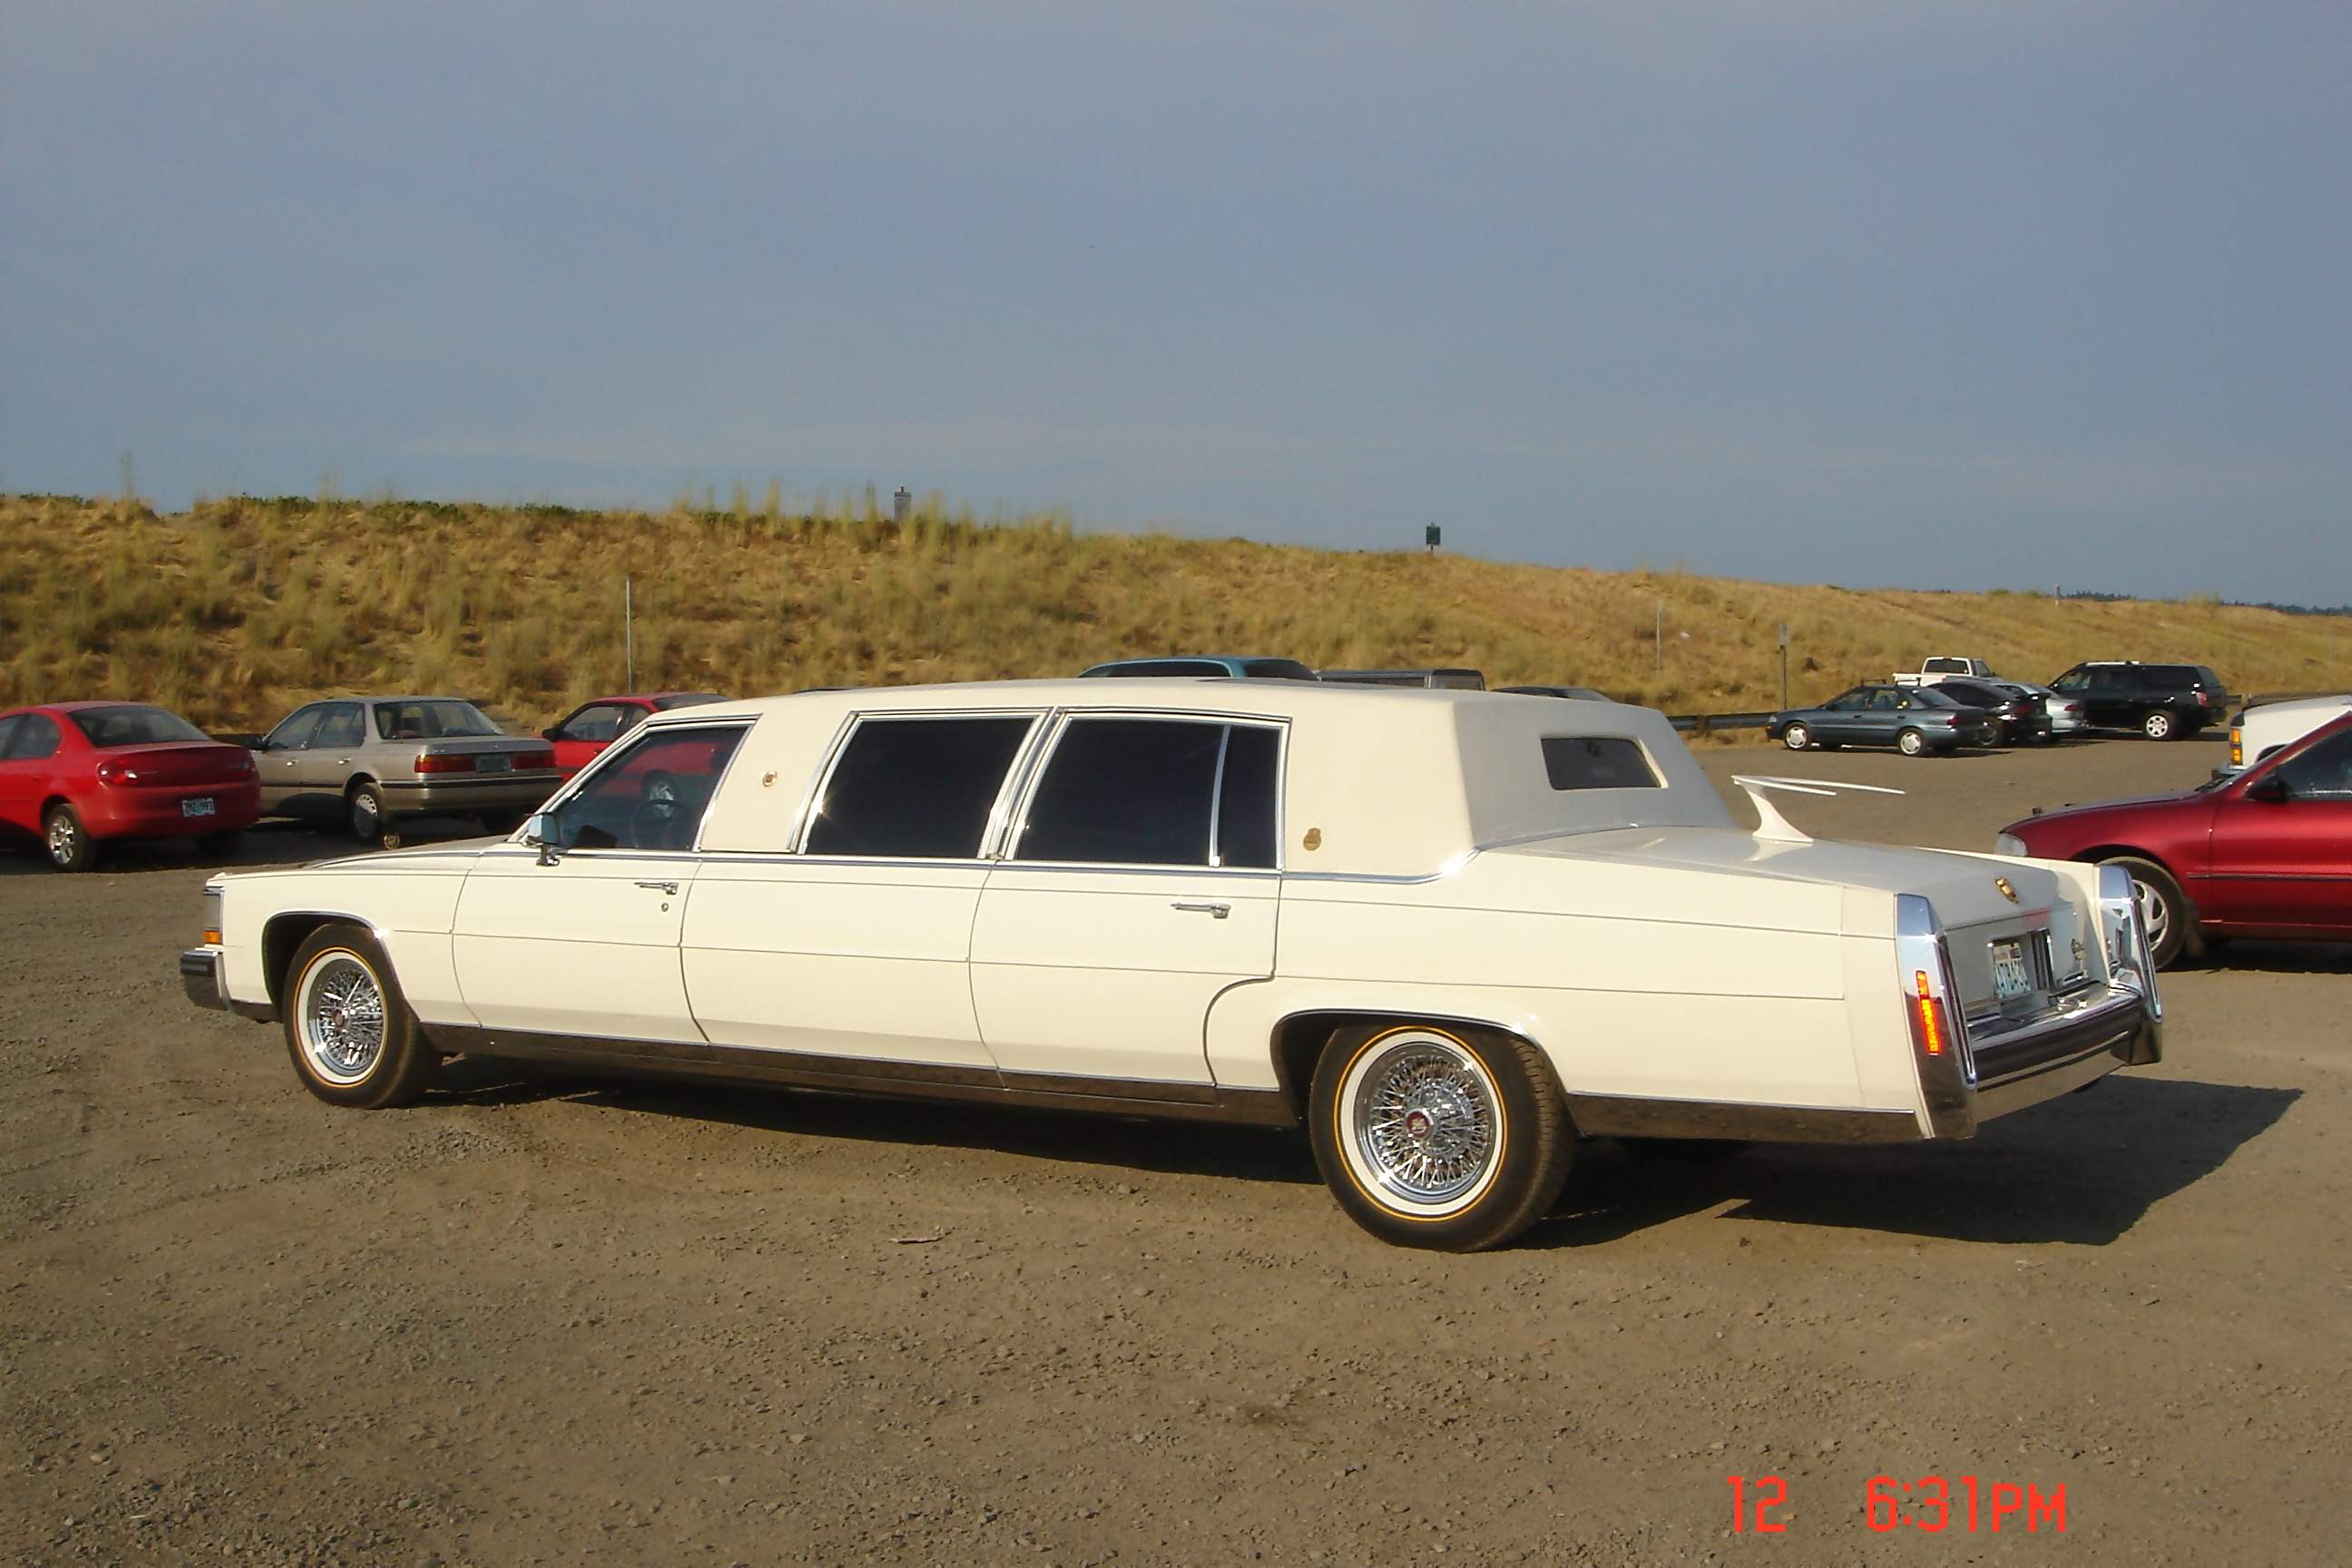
1947,295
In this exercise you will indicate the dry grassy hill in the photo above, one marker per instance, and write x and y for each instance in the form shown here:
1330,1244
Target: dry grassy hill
234,611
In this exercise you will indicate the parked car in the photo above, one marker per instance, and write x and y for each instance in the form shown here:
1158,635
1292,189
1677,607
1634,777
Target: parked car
2023,720
1944,667
1914,720
1504,927
2163,701
2256,733
76,776
588,729
1578,693
1434,679
368,761
1211,664
2267,853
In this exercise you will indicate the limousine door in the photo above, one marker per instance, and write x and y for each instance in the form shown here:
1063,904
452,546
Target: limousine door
852,953
584,942
1139,883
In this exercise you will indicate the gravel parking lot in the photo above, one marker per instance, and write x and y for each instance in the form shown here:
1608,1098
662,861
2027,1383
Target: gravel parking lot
542,1320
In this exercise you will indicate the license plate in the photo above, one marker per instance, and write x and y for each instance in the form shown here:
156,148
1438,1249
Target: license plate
2012,976
202,805
494,763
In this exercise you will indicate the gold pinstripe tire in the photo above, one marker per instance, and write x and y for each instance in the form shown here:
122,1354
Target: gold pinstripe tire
1434,1136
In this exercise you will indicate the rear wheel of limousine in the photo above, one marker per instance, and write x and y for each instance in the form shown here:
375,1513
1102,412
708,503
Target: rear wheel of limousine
1438,1136
353,1038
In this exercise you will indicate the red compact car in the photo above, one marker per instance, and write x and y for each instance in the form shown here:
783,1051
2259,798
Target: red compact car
75,776
593,726
2264,853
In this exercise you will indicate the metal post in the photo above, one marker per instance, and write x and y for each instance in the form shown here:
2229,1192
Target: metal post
901,500
1658,635
629,628
1784,665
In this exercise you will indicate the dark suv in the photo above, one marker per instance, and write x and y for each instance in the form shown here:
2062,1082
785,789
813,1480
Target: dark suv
2161,700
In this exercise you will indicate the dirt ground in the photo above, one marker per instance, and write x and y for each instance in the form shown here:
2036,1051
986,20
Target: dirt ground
540,1319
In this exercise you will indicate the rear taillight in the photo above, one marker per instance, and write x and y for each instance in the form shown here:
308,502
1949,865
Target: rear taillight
117,774
2071,708
528,760
1931,1026
444,762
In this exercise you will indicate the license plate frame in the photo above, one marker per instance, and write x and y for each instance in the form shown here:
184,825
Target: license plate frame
2012,971
197,806
494,763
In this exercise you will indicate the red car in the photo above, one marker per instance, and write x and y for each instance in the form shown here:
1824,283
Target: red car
593,726
2264,853
75,776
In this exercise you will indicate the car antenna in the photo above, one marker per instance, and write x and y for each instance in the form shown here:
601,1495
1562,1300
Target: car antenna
1771,827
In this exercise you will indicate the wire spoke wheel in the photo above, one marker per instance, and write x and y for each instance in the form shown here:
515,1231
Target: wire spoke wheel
1425,1123
342,1018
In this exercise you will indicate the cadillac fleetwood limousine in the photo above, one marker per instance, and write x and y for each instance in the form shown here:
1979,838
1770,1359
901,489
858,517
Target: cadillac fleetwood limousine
1450,933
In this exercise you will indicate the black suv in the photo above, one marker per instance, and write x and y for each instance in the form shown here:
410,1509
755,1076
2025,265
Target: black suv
2161,700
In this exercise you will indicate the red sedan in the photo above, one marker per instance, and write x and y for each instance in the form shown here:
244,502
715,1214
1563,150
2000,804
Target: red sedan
2264,853
75,776
593,726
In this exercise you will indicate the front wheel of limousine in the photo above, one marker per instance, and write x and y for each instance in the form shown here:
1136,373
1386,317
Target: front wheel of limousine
353,1038
1437,1136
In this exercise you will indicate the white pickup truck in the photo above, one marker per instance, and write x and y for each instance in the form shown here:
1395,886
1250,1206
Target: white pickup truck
1446,933
1944,667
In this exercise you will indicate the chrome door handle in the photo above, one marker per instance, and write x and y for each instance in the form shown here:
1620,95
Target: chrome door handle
670,888
1218,911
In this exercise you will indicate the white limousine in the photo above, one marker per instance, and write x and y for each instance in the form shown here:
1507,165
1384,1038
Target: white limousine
1452,933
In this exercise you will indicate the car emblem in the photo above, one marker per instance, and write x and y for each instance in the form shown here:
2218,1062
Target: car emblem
2006,890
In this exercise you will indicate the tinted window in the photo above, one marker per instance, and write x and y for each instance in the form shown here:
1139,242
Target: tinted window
1275,669
1249,805
652,797
1946,666
2072,680
1936,696
920,788
297,728
2205,676
36,737
1597,761
7,728
431,720
134,726
2168,674
1131,791
2107,678
339,726
686,699
1974,696
2325,772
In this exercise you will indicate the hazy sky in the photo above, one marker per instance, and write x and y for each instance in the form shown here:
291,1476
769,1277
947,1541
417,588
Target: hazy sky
1953,295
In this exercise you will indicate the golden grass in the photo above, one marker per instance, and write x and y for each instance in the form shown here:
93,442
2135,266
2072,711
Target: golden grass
233,611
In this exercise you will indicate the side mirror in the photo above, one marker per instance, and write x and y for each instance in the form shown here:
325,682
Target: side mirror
2270,788
544,832
549,734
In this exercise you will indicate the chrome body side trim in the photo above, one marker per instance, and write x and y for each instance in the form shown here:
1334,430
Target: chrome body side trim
866,1076
1625,1116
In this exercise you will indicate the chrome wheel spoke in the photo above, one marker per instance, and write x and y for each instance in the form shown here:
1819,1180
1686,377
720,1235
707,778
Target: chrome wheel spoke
1426,1120
342,1019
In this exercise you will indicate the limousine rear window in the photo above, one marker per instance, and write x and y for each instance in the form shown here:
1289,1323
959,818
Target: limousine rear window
915,788
1597,761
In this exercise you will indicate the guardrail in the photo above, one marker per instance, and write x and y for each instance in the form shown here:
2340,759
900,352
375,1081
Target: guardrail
1707,723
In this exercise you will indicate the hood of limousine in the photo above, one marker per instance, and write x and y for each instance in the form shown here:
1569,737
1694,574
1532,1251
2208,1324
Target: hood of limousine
1964,889
445,849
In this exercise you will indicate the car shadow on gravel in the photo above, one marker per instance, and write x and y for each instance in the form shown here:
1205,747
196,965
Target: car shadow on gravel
2080,1170
2280,958
1108,1140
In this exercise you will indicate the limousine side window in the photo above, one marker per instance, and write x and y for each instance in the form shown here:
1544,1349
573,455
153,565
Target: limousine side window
653,796
915,788
1142,792
1597,761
